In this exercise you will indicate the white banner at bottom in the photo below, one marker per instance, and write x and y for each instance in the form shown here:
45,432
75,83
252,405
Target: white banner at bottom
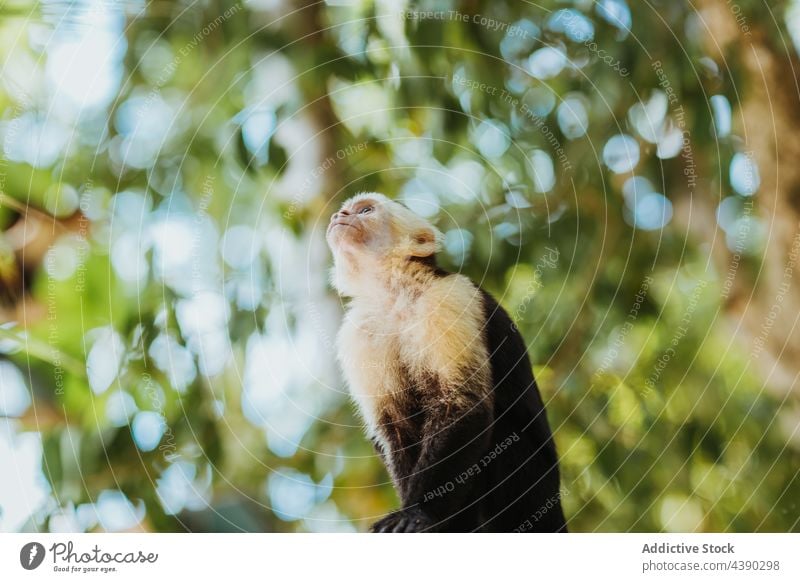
356,557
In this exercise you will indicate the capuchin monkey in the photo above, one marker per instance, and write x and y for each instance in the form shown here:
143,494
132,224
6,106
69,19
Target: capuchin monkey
442,379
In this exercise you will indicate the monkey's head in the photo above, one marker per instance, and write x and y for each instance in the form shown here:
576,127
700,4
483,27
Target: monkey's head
370,234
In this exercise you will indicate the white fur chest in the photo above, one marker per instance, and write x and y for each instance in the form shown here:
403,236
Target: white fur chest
384,345
371,352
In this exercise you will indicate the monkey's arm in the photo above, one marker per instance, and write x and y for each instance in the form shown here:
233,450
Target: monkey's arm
455,439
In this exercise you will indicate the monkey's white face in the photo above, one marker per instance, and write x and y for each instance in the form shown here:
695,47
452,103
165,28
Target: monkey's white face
362,226
369,233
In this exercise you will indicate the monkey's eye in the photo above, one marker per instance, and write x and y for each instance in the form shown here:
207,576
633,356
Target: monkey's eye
365,210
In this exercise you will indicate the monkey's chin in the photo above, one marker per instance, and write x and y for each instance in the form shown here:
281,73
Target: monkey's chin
334,238
343,239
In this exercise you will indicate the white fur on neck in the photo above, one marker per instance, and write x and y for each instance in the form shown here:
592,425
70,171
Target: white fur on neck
353,275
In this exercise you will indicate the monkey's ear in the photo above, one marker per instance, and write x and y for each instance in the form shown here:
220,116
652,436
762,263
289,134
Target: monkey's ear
424,242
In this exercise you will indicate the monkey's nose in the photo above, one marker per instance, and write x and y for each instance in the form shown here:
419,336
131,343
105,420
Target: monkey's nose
341,213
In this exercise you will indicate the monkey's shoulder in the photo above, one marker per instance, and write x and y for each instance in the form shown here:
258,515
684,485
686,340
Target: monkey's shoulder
448,331
443,298
437,326
452,302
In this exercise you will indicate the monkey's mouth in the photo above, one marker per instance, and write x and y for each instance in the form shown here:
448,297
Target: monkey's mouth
340,222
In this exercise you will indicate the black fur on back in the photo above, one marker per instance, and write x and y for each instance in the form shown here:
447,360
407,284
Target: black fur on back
522,490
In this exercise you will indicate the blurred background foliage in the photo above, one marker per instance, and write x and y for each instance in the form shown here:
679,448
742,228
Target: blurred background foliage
622,175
